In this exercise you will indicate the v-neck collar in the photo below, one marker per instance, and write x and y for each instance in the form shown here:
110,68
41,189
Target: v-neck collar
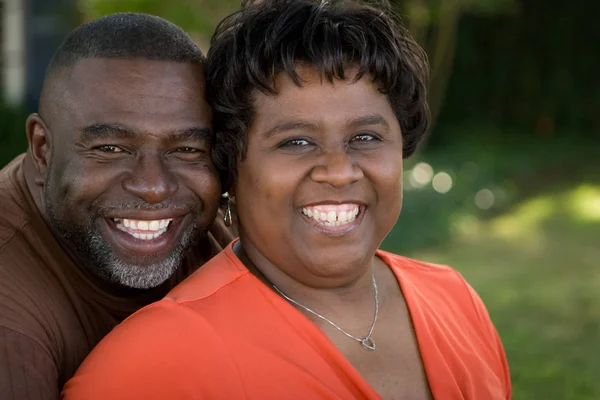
321,342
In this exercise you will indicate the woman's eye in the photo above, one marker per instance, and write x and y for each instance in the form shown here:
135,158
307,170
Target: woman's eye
295,143
364,137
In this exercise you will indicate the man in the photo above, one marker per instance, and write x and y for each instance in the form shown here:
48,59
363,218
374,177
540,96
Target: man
110,206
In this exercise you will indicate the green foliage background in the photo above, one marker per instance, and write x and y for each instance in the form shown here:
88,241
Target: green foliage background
520,118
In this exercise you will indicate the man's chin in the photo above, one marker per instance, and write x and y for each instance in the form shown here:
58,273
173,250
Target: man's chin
121,259
141,263
137,269
141,275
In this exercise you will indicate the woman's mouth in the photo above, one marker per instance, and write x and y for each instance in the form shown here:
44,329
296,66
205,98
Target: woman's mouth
332,215
334,219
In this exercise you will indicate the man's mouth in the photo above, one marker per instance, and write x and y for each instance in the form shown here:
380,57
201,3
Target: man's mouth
143,229
332,215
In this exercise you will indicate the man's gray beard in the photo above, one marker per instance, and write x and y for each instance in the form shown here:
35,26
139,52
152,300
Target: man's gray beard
138,276
99,256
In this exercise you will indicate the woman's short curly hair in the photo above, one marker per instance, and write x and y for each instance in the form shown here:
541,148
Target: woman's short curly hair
267,37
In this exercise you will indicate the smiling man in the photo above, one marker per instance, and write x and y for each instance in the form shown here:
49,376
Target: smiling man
112,204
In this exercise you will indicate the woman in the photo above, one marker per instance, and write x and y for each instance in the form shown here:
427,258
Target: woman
316,104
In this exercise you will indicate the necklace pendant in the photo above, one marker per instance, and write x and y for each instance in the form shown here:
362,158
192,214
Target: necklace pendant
368,343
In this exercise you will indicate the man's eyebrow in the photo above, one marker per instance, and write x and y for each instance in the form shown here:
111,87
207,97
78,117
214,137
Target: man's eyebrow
373,119
195,133
95,131
113,130
291,126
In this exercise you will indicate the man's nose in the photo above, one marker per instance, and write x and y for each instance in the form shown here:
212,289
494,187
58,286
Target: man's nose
151,180
337,169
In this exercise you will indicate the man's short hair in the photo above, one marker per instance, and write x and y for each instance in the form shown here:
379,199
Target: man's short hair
268,37
127,36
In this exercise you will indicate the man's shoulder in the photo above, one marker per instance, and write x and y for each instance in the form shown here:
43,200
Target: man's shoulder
15,214
27,325
23,240
28,288
27,368
40,314
21,265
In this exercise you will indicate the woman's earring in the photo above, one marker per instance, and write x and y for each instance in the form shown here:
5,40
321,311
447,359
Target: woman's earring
227,220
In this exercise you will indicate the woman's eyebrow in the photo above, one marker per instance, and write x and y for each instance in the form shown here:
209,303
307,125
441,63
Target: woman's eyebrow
372,119
290,126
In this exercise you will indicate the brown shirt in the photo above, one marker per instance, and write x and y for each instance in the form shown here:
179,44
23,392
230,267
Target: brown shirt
52,313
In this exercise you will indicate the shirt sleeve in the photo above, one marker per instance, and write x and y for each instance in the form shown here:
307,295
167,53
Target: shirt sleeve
27,371
493,337
164,351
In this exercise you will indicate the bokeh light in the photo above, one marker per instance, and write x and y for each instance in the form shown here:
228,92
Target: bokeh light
420,175
485,199
442,182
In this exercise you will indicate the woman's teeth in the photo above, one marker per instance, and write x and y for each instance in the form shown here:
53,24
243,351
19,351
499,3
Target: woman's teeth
143,229
330,215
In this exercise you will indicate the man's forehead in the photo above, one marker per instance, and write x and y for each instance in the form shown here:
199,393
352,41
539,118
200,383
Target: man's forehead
131,91
94,73
122,85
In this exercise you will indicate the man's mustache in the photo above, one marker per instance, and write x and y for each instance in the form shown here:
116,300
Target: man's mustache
143,206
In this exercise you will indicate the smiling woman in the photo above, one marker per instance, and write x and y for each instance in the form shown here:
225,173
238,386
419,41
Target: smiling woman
316,104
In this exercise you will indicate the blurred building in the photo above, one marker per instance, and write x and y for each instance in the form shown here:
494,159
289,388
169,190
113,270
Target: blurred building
12,58
31,32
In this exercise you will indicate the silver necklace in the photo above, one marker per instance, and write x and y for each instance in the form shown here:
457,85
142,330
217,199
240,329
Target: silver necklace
367,342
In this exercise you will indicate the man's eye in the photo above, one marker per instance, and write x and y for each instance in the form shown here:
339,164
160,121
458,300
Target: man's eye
187,150
109,148
191,154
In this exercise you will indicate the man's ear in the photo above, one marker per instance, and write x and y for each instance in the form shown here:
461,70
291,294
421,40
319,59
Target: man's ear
40,146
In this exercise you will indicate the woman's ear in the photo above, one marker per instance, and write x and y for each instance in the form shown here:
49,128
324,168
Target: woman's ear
40,146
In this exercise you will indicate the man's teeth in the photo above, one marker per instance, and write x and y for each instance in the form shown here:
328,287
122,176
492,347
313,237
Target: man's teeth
141,229
332,215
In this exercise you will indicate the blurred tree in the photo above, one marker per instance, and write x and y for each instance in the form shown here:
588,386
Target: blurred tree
434,25
47,23
197,17
536,70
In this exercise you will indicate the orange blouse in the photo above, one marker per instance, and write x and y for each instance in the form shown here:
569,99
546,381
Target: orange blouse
223,334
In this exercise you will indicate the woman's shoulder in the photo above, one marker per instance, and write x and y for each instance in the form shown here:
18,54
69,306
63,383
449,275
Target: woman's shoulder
156,352
448,310
408,265
222,271
435,286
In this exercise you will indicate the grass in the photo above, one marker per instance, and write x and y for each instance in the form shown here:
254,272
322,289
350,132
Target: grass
536,266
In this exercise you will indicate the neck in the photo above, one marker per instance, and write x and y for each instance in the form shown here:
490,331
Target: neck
34,185
328,298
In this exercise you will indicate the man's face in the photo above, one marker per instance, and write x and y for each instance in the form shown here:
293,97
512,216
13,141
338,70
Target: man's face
131,184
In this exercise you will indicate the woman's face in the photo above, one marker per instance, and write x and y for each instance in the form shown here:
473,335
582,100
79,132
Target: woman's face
321,184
